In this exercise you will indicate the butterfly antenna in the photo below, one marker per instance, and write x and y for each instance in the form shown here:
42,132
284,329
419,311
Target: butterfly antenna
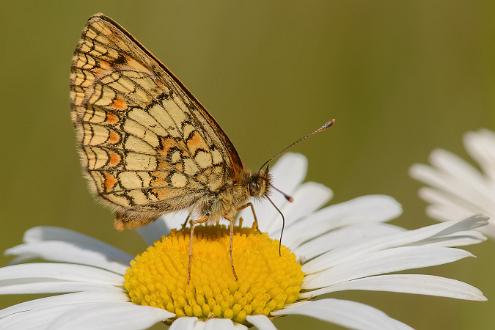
287,197
283,225
320,129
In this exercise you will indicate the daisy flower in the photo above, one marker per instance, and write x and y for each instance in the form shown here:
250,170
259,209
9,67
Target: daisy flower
346,246
456,188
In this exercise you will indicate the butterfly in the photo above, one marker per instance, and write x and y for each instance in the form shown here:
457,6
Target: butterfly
147,145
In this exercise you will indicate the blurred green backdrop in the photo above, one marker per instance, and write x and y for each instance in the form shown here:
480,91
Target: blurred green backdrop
401,77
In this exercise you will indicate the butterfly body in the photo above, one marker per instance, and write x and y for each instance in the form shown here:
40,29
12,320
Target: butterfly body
147,146
224,202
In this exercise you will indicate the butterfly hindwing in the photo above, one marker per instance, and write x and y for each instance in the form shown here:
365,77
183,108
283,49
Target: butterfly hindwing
145,141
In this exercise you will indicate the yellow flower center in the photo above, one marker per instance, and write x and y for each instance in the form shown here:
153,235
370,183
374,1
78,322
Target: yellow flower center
267,281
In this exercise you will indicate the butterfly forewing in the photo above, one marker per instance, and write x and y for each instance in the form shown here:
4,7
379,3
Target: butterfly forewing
145,142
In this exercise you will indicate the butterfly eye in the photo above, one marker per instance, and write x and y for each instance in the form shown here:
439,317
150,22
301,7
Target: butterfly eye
254,188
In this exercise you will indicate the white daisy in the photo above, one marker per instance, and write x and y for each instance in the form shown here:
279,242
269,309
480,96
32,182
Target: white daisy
341,247
457,189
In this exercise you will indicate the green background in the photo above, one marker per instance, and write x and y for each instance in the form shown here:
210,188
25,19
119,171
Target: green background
401,77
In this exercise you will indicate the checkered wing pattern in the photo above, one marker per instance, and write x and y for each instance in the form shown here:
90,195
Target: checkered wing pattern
145,142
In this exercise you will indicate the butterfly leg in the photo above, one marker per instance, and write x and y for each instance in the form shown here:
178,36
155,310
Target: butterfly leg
194,223
255,222
231,247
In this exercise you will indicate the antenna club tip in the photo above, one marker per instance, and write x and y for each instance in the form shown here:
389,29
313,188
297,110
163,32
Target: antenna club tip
290,199
330,123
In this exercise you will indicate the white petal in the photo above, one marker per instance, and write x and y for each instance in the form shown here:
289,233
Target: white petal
34,320
458,209
261,322
365,209
200,325
489,230
219,324
110,316
456,167
442,213
346,313
22,258
309,197
381,262
481,146
444,207
51,286
474,193
461,238
85,242
161,227
64,272
287,174
346,236
67,252
184,323
64,300
406,283
473,222
408,237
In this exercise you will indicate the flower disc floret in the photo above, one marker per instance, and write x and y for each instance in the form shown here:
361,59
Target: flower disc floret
266,281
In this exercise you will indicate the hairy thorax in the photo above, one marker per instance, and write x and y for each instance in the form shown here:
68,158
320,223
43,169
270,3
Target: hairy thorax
225,203
233,196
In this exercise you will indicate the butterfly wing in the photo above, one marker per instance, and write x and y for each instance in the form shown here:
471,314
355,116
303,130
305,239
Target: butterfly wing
146,143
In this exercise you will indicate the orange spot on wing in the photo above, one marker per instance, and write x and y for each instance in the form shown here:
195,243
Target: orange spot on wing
159,182
119,225
113,137
179,167
112,119
119,104
163,165
109,182
159,178
167,144
196,142
98,71
114,159
105,65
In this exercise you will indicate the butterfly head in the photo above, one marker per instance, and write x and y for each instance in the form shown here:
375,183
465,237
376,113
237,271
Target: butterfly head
258,183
